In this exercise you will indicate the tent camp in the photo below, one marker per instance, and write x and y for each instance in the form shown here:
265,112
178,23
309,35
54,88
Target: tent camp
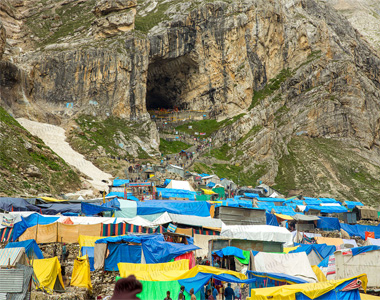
15,283
365,213
334,289
180,185
294,264
31,248
9,257
48,273
315,252
81,276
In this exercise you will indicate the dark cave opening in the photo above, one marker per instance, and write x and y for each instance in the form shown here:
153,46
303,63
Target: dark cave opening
167,83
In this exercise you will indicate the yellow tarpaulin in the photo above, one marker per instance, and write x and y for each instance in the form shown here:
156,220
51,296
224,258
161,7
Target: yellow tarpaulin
88,241
81,276
284,217
90,230
208,192
47,233
169,274
288,249
48,270
49,199
368,297
68,233
311,290
329,241
320,276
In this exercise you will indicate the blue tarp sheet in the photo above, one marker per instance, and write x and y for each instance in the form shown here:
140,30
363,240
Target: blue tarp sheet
312,202
267,199
90,252
121,253
227,251
322,249
16,204
156,251
359,230
325,262
204,175
236,203
251,195
294,201
352,204
200,280
328,224
130,238
271,219
359,250
60,208
327,209
276,276
285,210
91,209
167,181
176,193
119,182
198,208
31,248
266,205
31,221
210,184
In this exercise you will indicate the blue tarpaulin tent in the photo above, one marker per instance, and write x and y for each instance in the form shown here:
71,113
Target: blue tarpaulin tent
352,204
312,202
327,209
119,182
121,253
267,199
16,204
364,249
31,248
191,208
328,224
90,209
90,252
266,205
322,250
284,210
176,193
271,219
251,195
276,277
227,251
359,230
328,200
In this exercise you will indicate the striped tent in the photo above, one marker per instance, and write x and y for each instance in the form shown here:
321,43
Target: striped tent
11,256
6,234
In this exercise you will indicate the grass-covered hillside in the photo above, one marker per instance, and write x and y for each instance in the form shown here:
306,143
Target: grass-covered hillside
28,166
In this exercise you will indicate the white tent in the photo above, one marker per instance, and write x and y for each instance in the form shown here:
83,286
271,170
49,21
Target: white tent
258,233
294,264
180,185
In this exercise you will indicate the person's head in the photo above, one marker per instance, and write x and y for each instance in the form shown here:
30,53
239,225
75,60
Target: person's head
191,291
209,292
229,284
168,294
182,288
127,288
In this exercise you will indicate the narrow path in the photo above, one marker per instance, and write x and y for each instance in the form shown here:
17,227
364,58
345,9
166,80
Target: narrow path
55,138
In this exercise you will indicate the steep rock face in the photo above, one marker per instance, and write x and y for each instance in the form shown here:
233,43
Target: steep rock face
2,39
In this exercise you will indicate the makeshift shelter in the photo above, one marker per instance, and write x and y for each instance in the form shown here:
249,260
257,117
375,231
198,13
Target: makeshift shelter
352,204
31,248
294,264
365,213
303,222
328,224
180,185
9,257
266,279
240,216
324,210
334,289
81,276
315,252
356,260
15,283
191,208
359,230
48,273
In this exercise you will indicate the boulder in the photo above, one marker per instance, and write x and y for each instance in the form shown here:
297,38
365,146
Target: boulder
104,7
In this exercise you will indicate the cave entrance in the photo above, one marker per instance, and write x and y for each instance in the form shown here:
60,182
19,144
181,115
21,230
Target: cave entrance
169,84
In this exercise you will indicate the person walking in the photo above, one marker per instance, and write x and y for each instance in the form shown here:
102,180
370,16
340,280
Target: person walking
181,295
229,292
168,296
193,297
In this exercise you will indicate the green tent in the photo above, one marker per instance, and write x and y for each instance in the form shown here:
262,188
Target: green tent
221,192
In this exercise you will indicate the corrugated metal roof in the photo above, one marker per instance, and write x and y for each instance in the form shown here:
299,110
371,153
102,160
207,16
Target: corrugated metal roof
10,255
3,296
11,280
196,221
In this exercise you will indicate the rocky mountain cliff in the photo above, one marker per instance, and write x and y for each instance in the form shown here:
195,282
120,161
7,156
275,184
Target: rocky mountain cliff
305,79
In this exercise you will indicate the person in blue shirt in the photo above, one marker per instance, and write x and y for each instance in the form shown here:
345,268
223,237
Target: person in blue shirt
214,291
229,292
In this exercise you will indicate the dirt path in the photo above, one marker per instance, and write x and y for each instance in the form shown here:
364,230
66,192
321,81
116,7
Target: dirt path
55,138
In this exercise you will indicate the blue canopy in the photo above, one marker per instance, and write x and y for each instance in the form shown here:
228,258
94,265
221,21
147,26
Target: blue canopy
328,224
227,251
93,209
312,202
236,203
60,208
276,276
156,251
364,249
198,281
327,209
31,248
210,184
204,175
325,262
359,230
121,253
271,219
119,182
167,181
352,204
285,210
30,221
176,193
266,205
251,195
130,238
267,199
322,250
294,201
90,252
191,208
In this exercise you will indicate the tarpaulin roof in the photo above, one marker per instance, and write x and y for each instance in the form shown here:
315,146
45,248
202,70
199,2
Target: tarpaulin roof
191,208
31,248
30,221
176,193
271,219
251,195
310,290
285,210
359,230
276,276
312,202
268,199
236,203
81,276
93,209
56,208
352,204
364,249
16,204
257,233
11,256
48,270
129,238
283,217
208,192
210,184
300,217
119,182
328,224
227,251
294,201
121,253
322,249
266,205
327,209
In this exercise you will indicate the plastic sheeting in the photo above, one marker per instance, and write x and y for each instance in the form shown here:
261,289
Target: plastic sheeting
328,200
227,251
372,241
119,182
359,230
322,250
128,209
90,252
94,209
364,249
31,248
81,276
271,219
88,241
48,271
351,204
121,253
158,289
257,233
127,269
327,209
16,204
200,209
284,210
328,224
267,199
280,277
188,256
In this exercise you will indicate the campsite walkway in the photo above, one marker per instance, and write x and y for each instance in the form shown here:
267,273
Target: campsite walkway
55,138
